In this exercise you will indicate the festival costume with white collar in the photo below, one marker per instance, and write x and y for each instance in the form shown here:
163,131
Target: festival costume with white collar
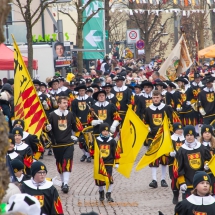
47,195
191,157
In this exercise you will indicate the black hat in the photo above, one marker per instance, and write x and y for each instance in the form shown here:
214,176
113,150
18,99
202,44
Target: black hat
36,81
189,129
146,83
89,89
81,86
10,81
177,126
96,81
95,86
116,68
199,177
197,75
119,78
104,127
95,95
11,139
88,80
61,78
184,80
138,86
72,83
19,122
36,167
160,83
206,128
172,84
17,165
43,84
107,85
208,79
17,130
52,81
130,86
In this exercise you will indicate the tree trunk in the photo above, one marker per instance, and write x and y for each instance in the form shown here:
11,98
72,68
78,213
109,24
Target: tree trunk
107,15
212,17
201,31
30,49
147,50
4,10
4,175
80,54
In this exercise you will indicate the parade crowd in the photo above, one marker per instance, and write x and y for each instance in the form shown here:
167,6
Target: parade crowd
96,104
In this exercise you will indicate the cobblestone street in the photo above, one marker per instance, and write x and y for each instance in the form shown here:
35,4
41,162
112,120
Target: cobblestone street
132,196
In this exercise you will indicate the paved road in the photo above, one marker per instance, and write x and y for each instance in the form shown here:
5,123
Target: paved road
132,196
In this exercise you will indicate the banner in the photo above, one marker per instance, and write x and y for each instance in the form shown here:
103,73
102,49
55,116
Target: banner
61,54
27,105
94,31
179,61
161,145
133,135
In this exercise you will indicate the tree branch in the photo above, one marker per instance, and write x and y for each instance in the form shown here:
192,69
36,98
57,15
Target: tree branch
76,24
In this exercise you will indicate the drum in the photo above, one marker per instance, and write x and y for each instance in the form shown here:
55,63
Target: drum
88,136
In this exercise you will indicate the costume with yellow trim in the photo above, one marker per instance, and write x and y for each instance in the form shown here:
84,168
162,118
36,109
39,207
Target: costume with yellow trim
31,140
46,194
62,125
107,147
206,103
195,204
123,95
177,142
190,160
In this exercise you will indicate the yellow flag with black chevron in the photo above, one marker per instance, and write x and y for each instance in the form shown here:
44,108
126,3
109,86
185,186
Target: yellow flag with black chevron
100,172
27,105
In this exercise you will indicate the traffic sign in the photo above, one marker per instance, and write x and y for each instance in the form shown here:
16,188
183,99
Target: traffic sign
140,44
133,35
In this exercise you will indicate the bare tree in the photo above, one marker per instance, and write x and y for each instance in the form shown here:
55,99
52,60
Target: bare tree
31,17
4,11
152,25
79,23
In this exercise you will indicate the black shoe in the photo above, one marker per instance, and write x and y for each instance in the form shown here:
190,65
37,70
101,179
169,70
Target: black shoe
41,156
62,187
175,197
108,197
163,183
101,195
153,184
65,188
175,200
83,158
50,152
89,160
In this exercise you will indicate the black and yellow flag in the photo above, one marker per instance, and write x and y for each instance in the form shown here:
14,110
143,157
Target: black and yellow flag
133,135
162,144
100,172
27,105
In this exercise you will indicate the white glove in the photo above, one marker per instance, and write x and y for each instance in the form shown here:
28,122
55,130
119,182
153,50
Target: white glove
188,103
206,167
202,111
117,166
74,138
172,154
96,122
49,127
113,126
183,187
178,109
